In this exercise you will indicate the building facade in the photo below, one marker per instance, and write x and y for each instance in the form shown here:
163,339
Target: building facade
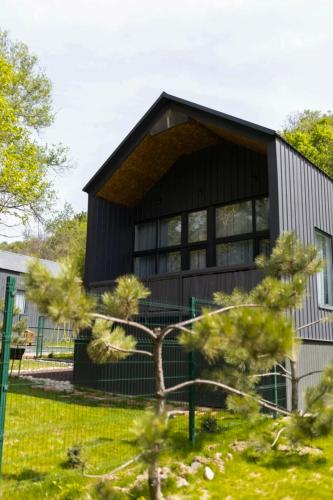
14,264
192,195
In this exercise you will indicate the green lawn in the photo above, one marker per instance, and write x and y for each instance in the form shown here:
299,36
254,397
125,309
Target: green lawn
41,426
36,364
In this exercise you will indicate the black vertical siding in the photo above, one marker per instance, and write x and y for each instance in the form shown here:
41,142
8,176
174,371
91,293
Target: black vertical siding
305,202
217,174
109,240
214,175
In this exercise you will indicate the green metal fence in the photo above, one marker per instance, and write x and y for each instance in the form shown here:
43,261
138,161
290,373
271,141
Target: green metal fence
60,399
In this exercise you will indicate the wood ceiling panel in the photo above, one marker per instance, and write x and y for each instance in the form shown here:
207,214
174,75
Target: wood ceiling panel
157,153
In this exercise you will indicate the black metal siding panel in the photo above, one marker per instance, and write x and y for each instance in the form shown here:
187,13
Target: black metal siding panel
166,290
110,237
217,174
305,202
204,286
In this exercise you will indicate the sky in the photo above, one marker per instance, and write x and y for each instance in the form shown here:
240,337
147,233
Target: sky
109,60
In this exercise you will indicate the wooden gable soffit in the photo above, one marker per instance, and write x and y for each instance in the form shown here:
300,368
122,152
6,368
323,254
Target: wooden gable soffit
159,150
151,159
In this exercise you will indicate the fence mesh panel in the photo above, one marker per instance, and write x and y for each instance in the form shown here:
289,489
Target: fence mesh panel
58,399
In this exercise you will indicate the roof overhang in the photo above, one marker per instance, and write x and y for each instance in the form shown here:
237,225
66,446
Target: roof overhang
170,129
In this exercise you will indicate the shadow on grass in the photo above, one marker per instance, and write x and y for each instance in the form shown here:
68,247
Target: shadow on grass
90,397
25,475
281,460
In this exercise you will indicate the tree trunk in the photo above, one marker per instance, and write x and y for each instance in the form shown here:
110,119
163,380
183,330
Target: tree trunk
154,480
294,386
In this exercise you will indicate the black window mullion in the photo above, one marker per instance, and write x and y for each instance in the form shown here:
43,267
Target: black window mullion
254,222
211,230
184,241
156,245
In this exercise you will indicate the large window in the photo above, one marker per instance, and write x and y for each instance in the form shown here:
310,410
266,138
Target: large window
169,231
157,246
235,253
241,232
234,219
223,236
324,277
197,226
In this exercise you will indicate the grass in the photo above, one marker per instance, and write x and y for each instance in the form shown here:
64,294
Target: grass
67,356
41,426
53,344
35,364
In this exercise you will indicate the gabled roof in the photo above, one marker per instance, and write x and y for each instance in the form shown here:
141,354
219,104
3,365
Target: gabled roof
169,129
18,263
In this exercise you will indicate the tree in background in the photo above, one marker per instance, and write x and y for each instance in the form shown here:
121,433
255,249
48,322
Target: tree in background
311,132
25,160
64,237
245,337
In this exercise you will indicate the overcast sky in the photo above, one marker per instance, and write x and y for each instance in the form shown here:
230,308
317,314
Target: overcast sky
109,60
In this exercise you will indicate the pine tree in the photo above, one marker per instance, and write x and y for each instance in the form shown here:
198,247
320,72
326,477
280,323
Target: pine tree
245,336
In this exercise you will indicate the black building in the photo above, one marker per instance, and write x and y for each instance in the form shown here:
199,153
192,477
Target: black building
192,195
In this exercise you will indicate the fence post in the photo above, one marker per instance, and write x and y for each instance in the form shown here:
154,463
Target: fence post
191,393
276,399
5,355
40,334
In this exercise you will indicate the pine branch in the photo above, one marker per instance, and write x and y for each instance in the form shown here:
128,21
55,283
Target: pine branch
283,368
179,326
125,322
109,475
112,347
227,388
272,373
308,374
278,436
310,324
319,396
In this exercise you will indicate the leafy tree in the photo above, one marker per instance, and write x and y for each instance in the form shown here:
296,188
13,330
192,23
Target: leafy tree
64,238
311,132
247,335
25,161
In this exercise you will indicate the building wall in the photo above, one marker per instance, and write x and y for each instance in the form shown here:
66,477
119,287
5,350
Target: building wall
305,202
313,356
218,174
31,312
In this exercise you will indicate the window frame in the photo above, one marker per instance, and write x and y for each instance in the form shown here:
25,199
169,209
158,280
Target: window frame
185,246
330,268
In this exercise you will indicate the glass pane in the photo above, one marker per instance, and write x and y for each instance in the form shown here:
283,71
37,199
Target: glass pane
144,266
262,214
198,259
145,236
169,262
169,232
324,277
265,247
233,254
234,219
20,301
197,226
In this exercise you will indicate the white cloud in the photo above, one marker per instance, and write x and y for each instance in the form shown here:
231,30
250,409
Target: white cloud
109,60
